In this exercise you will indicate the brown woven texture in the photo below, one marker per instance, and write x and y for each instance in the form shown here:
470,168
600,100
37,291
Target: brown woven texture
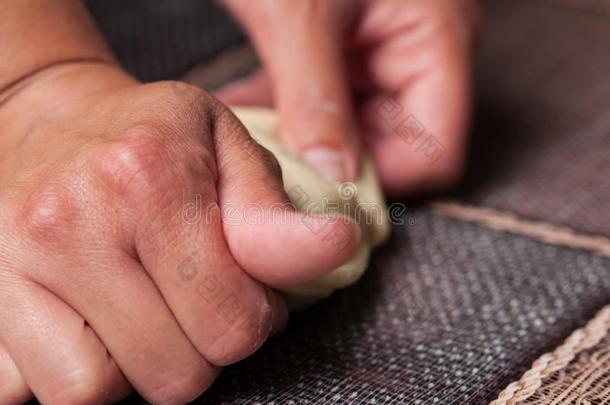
162,39
597,6
541,144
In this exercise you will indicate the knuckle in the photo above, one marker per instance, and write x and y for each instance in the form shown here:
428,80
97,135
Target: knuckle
133,165
49,212
187,103
80,389
190,95
244,336
180,388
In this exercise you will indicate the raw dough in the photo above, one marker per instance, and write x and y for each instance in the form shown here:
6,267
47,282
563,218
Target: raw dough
311,192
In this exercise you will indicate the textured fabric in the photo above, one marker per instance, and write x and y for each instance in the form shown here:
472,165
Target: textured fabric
542,138
162,39
592,5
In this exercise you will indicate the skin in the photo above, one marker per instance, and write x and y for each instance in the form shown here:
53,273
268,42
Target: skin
331,69
121,265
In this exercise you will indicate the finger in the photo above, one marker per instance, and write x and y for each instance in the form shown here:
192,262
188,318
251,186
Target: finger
139,330
254,90
437,103
91,252
13,388
301,46
178,239
60,357
268,238
424,148
226,314
277,301
421,125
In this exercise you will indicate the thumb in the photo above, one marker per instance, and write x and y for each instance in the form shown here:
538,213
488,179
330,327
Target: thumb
269,239
300,45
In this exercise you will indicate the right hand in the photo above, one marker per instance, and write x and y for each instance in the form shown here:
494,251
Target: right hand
126,257
348,76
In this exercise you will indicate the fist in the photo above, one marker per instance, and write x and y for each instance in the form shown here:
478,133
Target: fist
141,231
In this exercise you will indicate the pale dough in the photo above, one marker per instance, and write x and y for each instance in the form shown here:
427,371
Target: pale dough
311,192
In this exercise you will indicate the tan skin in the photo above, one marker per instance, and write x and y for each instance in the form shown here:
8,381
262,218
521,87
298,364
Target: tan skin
329,66
96,170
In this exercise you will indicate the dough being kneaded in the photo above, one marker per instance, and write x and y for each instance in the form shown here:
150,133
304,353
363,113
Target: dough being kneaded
312,193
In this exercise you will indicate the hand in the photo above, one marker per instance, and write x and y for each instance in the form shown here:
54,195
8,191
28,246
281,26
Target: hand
126,254
392,76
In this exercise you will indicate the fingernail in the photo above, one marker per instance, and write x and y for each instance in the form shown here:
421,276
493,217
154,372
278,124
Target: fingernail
328,162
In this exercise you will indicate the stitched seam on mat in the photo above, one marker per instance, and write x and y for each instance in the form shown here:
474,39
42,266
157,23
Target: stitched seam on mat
581,339
541,231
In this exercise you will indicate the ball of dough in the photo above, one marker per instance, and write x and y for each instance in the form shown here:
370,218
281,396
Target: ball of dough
312,193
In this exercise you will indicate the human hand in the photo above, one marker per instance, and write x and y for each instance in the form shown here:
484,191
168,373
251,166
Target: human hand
392,76
108,278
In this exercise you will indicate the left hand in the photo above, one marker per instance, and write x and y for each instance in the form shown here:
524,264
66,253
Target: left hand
389,76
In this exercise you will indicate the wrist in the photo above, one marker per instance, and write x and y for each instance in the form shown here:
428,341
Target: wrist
62,92
38,34
47,75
